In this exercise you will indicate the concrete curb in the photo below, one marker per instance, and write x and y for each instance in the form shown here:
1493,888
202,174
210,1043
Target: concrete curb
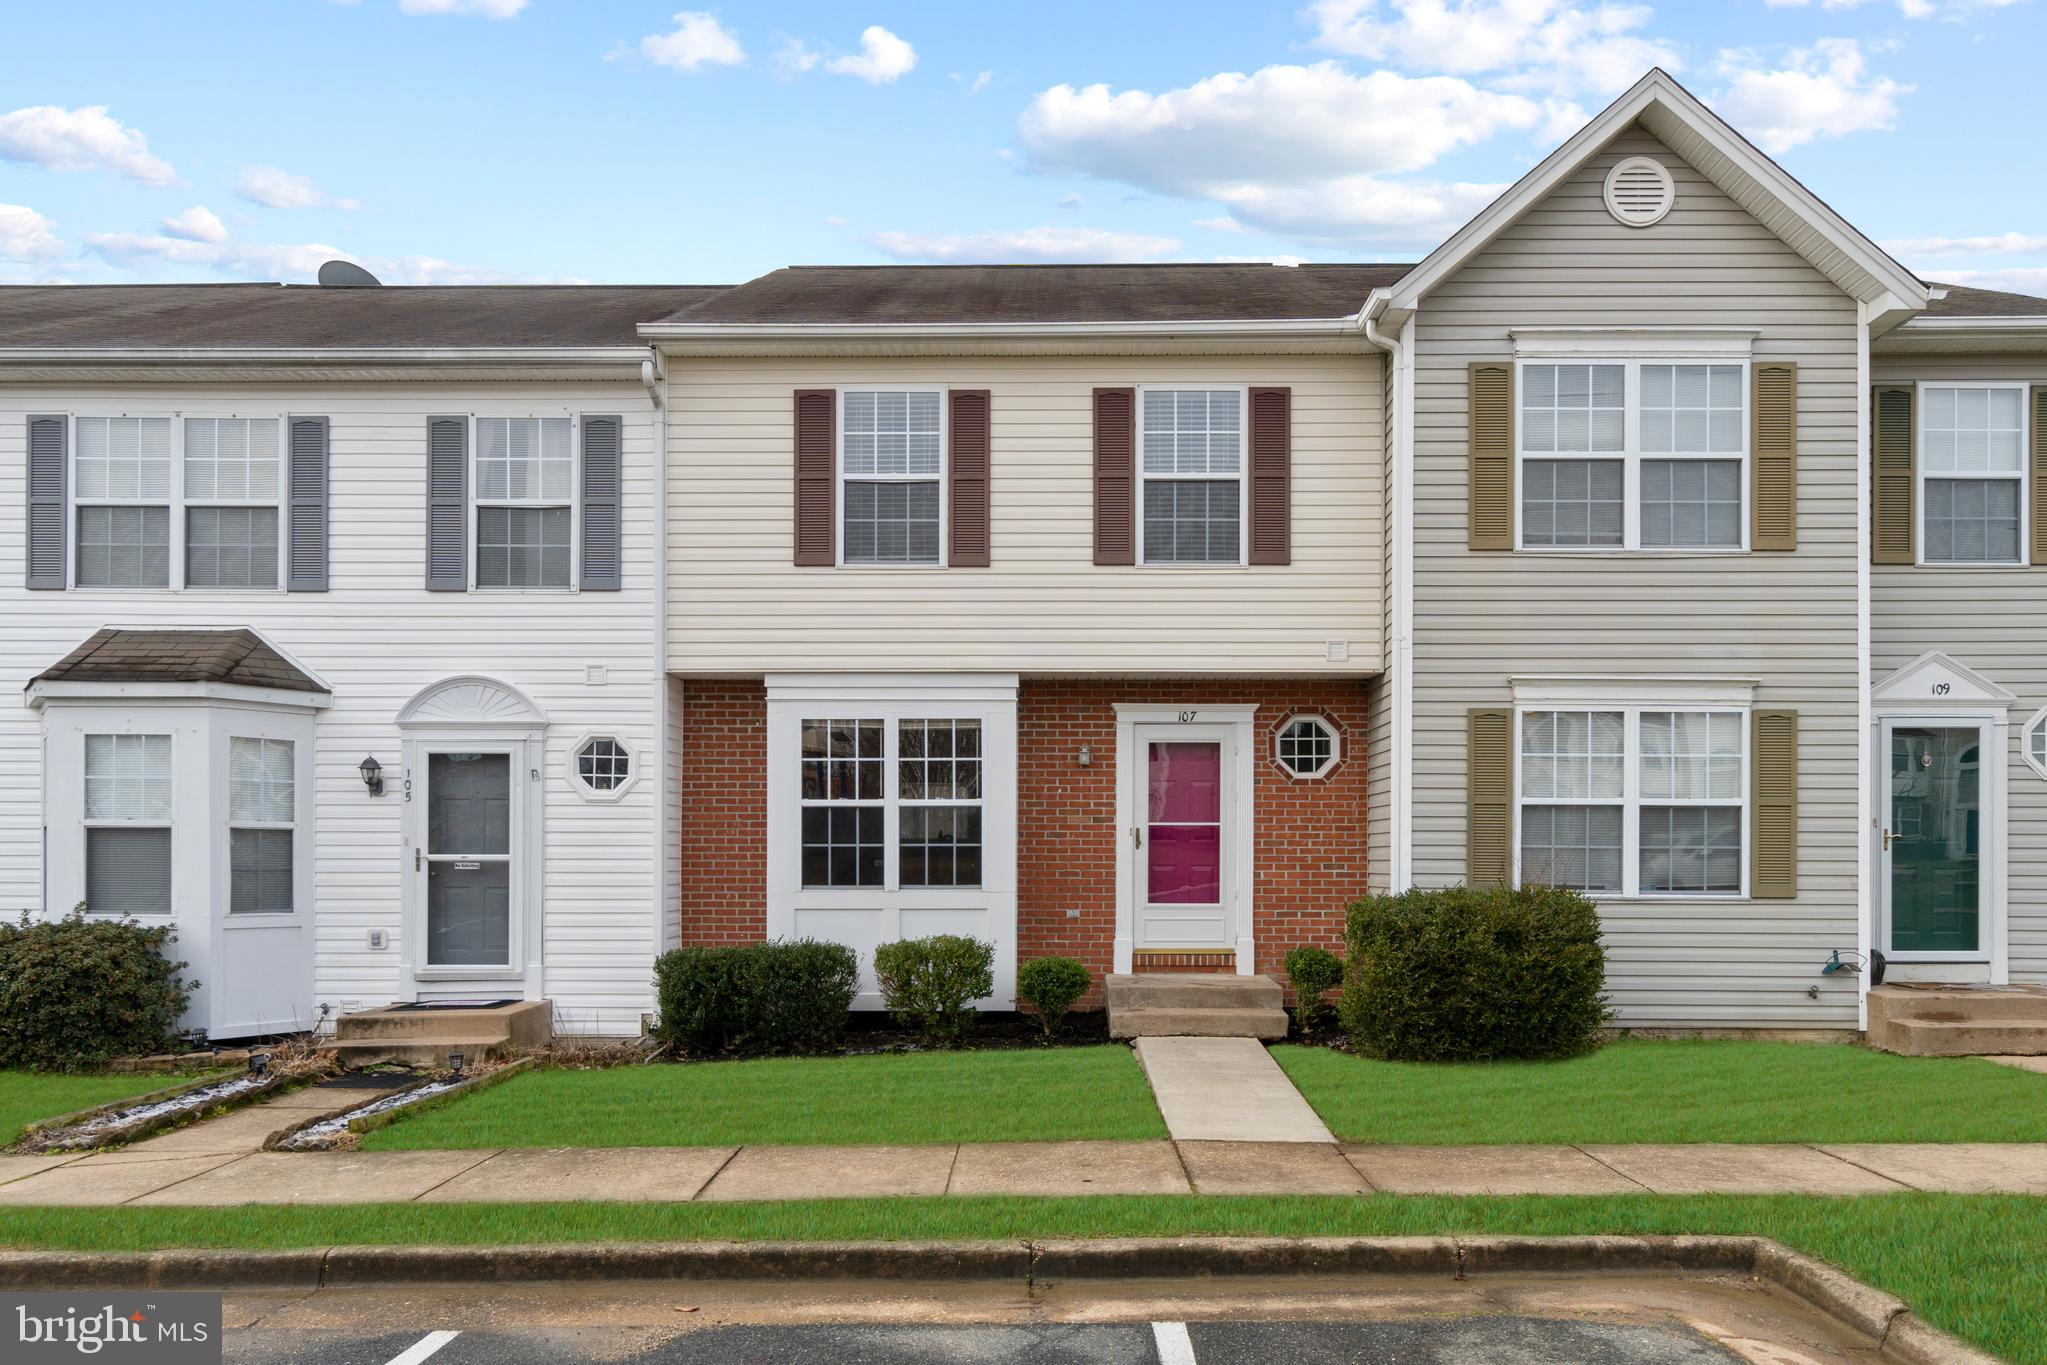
1884,1319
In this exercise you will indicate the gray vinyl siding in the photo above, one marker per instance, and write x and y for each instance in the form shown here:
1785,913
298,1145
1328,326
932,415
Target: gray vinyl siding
1988,619
1379,717
1785,619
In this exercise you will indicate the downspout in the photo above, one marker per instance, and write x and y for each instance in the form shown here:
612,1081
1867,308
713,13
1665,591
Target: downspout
654,379
1866,753
1400,625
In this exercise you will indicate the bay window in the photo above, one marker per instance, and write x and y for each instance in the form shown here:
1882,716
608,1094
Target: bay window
128,799
1972,471
918,777
261,810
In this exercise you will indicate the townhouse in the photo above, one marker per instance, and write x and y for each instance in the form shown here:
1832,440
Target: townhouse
1656,535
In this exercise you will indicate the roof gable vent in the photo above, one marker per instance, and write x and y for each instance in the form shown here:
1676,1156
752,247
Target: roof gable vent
1639,191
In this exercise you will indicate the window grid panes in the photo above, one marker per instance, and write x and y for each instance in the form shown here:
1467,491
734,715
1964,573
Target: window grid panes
1307,747
177,503
1191,463
128,777
124,547
231,459
603,765
262,784
892,464
843,808
525,502
1634,801
1632,455
938,785
122,481
128,815
231,547
1972,442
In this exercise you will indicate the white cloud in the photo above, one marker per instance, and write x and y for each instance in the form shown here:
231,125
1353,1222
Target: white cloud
197,224
487,9
1564,45
1825,90
981,82
276,189
698,40
2005,243
834,220
1223,223
1952,10
1040,245
26,235
792,55
1361,210
159,256
2012,280
882,57
1279,258
1068,201
83,139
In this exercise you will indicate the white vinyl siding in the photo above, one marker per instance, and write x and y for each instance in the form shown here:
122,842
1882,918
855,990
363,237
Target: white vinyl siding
377,637
737,605
1786,621
1972,473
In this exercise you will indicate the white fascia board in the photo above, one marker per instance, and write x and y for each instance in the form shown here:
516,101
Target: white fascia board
1922,325
1655,88
814,331
273,355
40,693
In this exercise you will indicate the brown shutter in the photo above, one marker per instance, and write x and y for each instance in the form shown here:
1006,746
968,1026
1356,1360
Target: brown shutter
1773,458
967,511
2040,474
1491,403
816,477
1115,476
1892,472
1272,476
1773,805
1488,790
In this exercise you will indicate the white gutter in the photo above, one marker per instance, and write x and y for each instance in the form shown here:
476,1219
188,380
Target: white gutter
242,355
1400,628
1865,720
810,331
1922,323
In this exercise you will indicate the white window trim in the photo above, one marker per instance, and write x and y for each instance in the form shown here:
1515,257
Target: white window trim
2037,720
1329,728
575,765
840,477
575,502
1726,697
1920,474
1631,454
176,503
291,825
1243,392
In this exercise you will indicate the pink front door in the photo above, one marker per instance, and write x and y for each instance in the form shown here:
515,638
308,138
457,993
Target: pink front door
1182,881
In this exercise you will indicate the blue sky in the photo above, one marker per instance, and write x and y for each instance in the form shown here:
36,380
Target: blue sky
460,141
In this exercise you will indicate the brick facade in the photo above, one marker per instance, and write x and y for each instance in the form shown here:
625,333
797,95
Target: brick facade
1308,840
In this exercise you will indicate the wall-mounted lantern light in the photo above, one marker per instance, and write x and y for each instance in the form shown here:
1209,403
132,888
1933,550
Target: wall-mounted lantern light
372,775
1086,757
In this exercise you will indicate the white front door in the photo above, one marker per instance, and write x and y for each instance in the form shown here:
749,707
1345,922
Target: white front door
1182,835
466,861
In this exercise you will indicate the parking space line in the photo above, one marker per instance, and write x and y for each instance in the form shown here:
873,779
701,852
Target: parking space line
1175,1346
434,1341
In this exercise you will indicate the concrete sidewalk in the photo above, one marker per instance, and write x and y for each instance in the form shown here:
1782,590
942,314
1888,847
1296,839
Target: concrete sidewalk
144,1179
1226,1090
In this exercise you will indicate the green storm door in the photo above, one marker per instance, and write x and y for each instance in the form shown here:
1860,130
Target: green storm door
1934,839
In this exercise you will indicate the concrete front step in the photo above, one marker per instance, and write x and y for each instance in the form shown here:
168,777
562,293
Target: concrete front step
1958,1021
415,1051
1167,991
1194,1023
1967,1038
529,1023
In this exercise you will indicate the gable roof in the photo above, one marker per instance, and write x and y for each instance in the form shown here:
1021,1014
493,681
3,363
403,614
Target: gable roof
1675,116
237,657
1960,301
980,295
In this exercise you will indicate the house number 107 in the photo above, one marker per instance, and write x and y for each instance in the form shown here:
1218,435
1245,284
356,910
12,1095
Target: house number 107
1186,716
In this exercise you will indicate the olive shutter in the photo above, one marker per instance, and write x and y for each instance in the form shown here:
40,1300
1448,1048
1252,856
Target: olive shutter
2040,474
447,510
47,528
1272,476
1892,472
1773,458
306,535
967,521
1115,476
816,459
603,475
1488,791
1491,402
1773,805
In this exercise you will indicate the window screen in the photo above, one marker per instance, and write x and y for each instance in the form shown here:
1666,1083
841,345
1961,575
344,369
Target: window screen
891,461
1191,461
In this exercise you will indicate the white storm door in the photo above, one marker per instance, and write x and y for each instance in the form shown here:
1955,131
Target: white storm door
1183,838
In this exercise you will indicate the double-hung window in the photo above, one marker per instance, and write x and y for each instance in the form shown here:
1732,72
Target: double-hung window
1972,470
165,502
1632,454
1191,463
891,802
1633,801
261,817
128,824
525,502
891,475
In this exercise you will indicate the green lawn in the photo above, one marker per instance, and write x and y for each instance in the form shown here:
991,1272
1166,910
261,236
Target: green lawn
27,1096
1963,1261
994,1096
1643,1091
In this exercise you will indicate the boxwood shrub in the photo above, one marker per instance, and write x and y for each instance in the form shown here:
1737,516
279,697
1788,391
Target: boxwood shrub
931,984
1051,985
1313,973
79,991
1465,974
755,998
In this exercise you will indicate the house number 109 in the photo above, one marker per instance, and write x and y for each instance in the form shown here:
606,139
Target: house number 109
1940,689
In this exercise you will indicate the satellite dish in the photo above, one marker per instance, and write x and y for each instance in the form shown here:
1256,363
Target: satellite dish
347,275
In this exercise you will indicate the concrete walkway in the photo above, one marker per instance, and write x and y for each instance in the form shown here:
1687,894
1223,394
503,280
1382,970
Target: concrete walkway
1226,1090
143,1178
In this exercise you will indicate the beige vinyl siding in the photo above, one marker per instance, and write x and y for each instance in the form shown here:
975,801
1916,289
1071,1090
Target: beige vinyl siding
1993,620
738,605
378,637
1786,620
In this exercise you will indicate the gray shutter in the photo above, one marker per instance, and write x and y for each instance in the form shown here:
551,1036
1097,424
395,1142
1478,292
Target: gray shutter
602,476
306,534
47,529
447,504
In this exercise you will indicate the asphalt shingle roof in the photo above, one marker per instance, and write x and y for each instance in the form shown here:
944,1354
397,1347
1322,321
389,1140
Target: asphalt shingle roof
1963,302
216,656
